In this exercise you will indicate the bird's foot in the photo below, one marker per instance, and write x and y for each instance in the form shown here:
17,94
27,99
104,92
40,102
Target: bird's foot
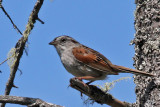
84,84
80,78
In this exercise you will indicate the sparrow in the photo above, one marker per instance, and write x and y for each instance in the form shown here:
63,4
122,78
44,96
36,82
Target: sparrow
86,63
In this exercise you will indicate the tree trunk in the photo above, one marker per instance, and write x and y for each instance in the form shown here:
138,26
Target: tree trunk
147,52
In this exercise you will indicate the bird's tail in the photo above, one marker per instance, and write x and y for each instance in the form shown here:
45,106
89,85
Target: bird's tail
121,69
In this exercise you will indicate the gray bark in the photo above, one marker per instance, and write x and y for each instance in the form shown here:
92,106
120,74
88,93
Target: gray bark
97,94
29,102
147,52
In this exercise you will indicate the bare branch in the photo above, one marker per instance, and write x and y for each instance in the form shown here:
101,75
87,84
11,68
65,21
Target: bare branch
40,20
20,46
30,102
4,61
96,94
15,27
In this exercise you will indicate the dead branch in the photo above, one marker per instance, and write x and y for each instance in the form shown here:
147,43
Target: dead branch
4,61
20,45
97,94
30,102
15,27
40,20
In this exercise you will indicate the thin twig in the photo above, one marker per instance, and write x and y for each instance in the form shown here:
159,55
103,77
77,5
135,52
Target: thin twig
20,71
15,27
4,61
40,20
14,86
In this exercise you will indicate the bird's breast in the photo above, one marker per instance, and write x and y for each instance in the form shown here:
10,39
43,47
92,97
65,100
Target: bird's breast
77,68
71,65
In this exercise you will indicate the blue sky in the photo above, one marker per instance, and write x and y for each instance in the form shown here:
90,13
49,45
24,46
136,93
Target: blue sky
104,25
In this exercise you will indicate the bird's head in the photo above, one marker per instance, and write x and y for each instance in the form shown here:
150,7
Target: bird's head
61,43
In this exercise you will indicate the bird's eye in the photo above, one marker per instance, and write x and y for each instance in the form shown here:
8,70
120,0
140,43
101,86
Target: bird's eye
63,40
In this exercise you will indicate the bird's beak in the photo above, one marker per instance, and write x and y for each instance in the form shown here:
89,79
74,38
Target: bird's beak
53,43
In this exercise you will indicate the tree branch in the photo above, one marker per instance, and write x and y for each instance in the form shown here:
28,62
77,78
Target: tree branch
30,102
15,27
20,47
96,94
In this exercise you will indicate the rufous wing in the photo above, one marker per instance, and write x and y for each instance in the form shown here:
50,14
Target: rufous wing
93,59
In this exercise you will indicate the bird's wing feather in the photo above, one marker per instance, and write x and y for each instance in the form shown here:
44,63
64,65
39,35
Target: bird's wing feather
93,59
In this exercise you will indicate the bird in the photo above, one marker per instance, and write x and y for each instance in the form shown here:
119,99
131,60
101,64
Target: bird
86,63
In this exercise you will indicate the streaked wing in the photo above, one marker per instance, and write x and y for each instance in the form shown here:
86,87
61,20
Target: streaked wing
93,59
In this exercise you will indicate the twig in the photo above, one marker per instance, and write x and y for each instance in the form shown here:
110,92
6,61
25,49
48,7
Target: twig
30,102
20,71
40,20
96,94
20,46
15,27
4,61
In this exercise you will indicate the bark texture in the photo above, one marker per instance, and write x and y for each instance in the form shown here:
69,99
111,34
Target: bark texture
147,52
28,101
97,94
